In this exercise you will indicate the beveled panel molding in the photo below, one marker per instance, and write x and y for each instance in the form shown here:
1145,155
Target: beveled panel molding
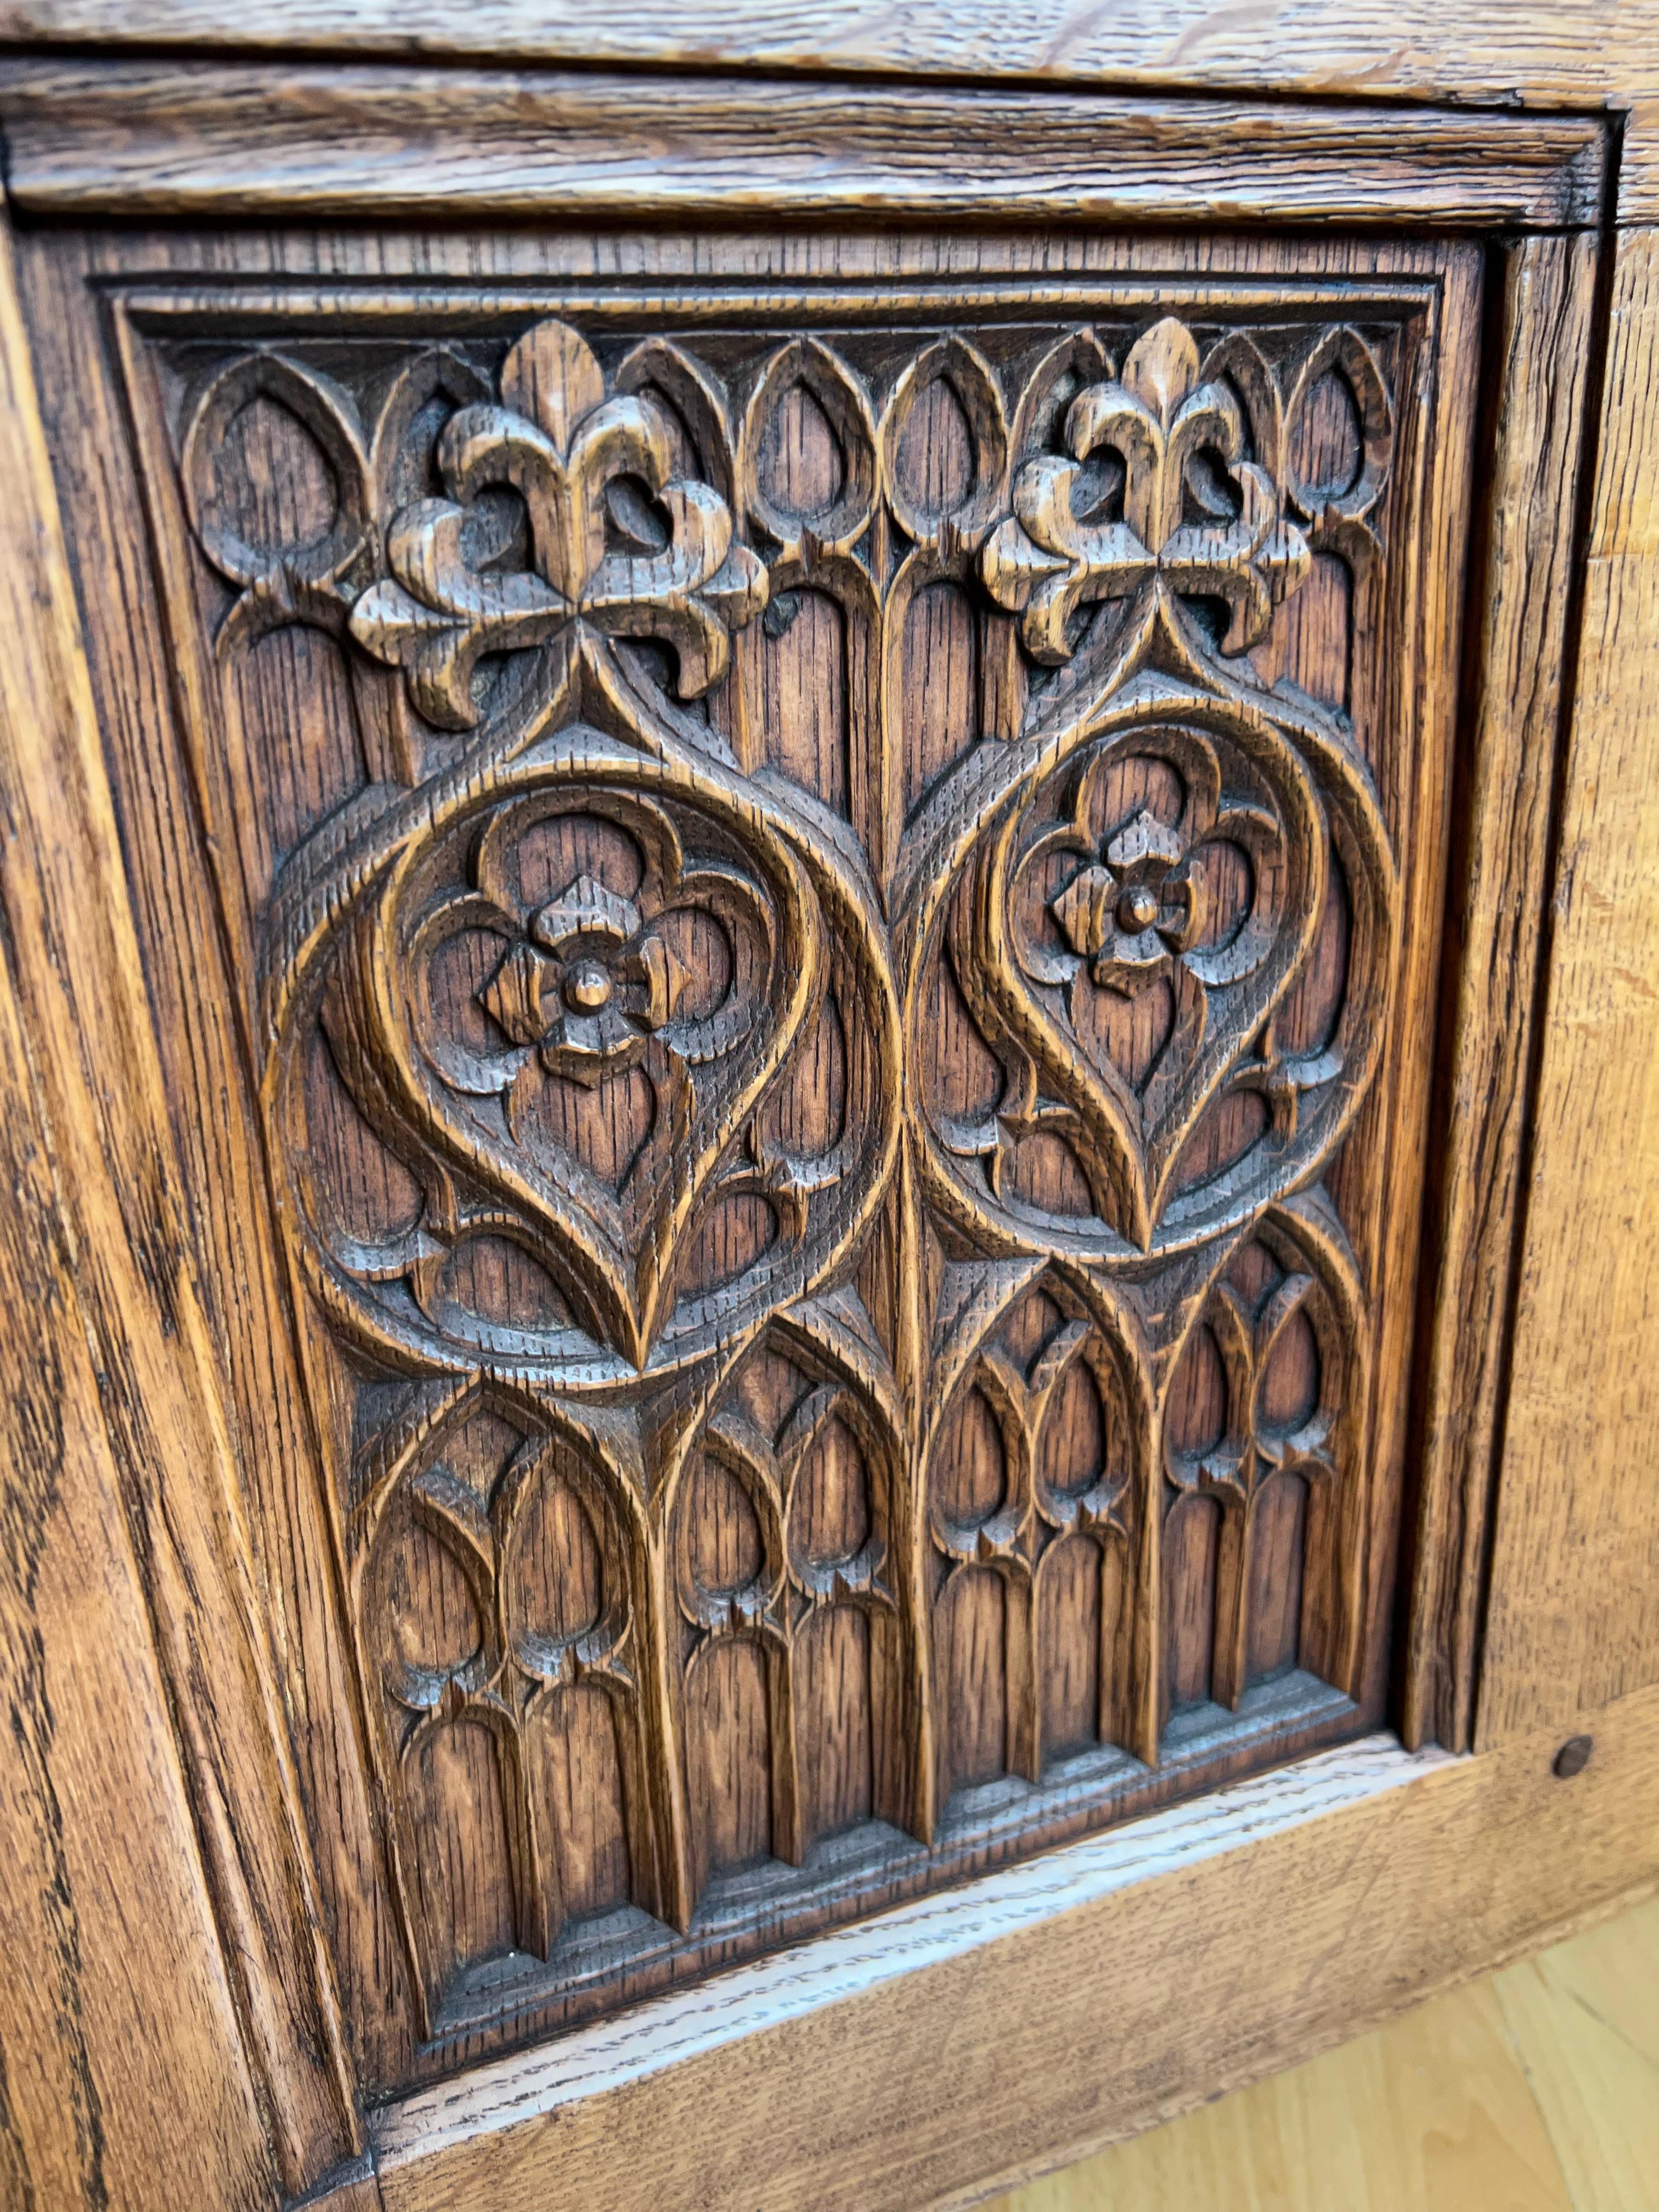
793,881
817,1008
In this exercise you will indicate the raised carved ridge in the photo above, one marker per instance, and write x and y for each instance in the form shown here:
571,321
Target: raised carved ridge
803,1080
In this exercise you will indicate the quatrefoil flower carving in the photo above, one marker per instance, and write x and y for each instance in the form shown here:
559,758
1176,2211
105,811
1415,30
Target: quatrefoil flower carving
1131,917
1139,907
573,458
587,985
1194,515
1209,885
580,1066
590,980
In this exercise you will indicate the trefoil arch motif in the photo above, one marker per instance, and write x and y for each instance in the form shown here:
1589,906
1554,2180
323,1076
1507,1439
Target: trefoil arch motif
645,1031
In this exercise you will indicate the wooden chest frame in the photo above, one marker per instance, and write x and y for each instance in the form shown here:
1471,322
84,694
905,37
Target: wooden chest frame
1012,1959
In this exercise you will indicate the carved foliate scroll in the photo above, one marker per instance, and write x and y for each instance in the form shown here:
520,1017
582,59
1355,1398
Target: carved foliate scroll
807,1072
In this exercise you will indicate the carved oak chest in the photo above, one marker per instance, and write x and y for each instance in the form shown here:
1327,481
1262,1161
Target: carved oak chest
801,835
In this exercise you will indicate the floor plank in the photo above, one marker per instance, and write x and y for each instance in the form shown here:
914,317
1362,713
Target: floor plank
1584,2021
1536,2090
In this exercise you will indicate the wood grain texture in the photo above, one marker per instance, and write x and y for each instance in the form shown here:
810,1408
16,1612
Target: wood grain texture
359,2192
213,1115
1432,2112
611,1748
1574,1612
123,2075
180,139
791,878
1523,587
80,997
1375,49
1582,2019
914,2088
1637,195
1534,2087
791,1987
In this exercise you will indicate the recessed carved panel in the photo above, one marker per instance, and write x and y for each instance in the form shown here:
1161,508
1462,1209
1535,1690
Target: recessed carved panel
817,885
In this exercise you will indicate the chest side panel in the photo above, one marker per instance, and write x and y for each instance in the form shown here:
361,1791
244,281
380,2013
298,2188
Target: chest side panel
825,874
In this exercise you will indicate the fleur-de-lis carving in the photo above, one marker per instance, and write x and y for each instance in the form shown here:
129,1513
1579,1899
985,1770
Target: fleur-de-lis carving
1194,514
566,450
817,1293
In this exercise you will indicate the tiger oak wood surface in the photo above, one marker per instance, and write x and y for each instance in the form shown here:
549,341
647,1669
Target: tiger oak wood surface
113,2038
1603,51
129,1613
823,953
1574,1612
1496,925
124,137
654,1199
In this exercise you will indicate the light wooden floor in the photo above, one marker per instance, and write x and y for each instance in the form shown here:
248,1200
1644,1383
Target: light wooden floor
1536,2090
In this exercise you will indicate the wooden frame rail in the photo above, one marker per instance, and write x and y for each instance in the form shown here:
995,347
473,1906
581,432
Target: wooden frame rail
927,2056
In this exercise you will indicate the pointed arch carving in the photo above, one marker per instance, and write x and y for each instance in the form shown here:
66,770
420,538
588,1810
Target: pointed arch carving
839,1025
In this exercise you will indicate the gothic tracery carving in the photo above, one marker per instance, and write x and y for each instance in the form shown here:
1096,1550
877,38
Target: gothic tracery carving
797,1183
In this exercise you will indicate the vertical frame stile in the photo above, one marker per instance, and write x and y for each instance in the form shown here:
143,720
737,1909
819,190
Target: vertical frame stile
1521,601
74,954
1420,685
561,574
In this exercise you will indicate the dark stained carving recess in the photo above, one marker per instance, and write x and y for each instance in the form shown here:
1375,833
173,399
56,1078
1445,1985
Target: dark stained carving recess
810,984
